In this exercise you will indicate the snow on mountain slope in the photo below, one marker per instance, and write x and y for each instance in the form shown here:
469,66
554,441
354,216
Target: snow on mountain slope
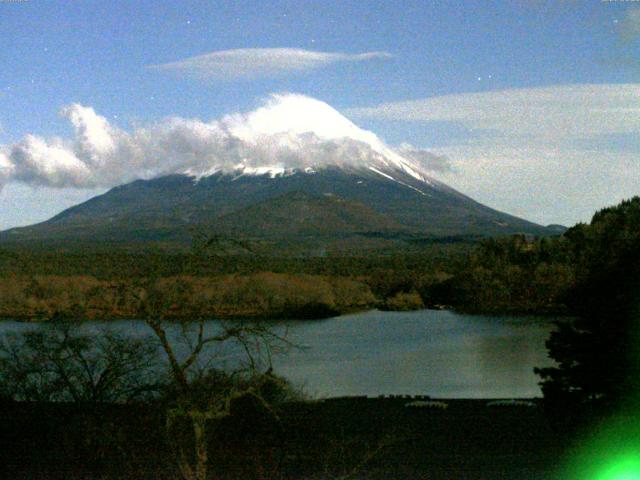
296,119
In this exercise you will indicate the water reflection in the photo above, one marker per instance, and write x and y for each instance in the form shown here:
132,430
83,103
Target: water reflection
436,353
428,352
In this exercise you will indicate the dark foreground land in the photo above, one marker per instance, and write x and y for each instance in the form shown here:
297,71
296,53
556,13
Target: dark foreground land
336,438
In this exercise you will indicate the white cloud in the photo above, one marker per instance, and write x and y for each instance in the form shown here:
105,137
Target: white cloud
427,159
289,132
550,113
527,152
543,184
95,138
260,62
35,157
6,168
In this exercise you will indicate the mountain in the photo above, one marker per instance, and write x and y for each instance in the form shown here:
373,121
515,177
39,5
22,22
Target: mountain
293,176
331,208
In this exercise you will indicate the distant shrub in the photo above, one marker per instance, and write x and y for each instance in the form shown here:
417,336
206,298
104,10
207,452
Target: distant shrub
426,404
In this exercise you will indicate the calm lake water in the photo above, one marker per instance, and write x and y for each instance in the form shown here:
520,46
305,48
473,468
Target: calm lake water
427,352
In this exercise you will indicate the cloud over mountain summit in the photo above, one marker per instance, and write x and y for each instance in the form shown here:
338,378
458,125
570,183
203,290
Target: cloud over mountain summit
289,132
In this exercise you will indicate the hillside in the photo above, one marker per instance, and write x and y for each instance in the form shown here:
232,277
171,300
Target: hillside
333,209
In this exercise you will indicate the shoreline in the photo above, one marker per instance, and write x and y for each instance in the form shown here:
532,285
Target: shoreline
277,318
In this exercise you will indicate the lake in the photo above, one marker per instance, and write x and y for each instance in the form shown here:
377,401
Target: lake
426,352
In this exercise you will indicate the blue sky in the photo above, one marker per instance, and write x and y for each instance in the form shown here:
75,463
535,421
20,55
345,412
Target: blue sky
100,54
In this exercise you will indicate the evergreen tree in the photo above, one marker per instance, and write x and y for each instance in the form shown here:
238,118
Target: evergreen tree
597,357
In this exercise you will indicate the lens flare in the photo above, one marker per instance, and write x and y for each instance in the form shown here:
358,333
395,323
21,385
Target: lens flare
622,468
610,451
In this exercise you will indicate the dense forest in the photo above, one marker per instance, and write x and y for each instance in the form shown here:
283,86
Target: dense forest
540,275
98,284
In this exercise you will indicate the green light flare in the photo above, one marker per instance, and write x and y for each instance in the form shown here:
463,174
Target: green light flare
621,468
610,450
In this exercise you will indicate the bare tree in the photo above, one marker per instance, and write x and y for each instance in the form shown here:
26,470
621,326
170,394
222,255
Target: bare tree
59,362
201,392
204,396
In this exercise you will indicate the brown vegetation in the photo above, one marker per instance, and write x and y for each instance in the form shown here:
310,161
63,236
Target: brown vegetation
265,294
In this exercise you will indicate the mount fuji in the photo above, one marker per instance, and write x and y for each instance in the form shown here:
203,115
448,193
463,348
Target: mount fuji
293,174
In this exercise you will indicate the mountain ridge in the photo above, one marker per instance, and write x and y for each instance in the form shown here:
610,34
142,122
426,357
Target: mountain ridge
319,208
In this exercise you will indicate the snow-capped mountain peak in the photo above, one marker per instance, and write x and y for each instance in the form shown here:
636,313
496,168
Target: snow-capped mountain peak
296,122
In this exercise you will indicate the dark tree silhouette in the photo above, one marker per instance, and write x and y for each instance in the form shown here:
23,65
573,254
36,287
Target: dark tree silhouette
597,357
